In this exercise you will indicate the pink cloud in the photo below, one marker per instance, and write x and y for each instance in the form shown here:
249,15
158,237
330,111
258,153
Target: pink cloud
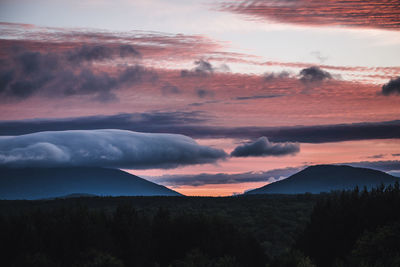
360,13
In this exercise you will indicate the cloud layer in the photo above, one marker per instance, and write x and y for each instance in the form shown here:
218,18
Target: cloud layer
196,125
263,147
104,148
349,13
224,178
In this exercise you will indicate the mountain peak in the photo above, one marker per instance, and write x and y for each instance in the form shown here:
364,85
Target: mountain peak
39,183
326,178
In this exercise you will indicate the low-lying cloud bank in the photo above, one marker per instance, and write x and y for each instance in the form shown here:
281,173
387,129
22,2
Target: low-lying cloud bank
104,148
263,147
392,167
224,178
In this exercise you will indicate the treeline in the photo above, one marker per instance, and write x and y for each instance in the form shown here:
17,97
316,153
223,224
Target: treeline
352,228
81,237
343,229
273,220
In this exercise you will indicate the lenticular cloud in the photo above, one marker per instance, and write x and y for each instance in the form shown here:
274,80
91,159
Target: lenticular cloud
104,148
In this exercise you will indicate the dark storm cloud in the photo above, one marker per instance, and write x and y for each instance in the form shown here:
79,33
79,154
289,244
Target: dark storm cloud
170,89
272,76
194,124
28,73
202,92
202,68
104,148
224,178
392,87
101,52
314,74
262,147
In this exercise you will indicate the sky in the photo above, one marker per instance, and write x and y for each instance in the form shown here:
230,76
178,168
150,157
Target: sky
206,97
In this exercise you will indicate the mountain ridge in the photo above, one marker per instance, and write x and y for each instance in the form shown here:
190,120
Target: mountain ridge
326,178
40,183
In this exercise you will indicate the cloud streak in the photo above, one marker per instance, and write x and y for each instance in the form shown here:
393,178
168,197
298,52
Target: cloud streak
348,13
151,46
224,178
104,148
262,147
196,125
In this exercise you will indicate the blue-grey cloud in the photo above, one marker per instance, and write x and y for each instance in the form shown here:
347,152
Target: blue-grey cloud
101,52
199,125
263,147
167,89
104,148
26,73
392,87
279,75
314,74
202,92
224,178
202,68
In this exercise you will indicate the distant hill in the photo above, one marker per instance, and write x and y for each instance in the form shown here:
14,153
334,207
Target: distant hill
40,183
325,178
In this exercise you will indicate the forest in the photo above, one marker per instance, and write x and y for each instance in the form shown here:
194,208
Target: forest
343,228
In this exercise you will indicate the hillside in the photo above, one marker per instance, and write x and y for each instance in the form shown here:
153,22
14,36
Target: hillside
325,178
37,183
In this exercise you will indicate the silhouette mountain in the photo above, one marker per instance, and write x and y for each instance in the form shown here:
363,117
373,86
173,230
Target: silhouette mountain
325,178
40,183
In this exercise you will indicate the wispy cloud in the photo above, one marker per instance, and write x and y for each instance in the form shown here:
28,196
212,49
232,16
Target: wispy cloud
155,46
348,13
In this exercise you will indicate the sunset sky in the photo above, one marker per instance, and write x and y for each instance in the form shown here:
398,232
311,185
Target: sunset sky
260,89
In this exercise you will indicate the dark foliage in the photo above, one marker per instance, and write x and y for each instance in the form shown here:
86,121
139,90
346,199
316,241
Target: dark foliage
355,228
274,220
346,228
77,236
